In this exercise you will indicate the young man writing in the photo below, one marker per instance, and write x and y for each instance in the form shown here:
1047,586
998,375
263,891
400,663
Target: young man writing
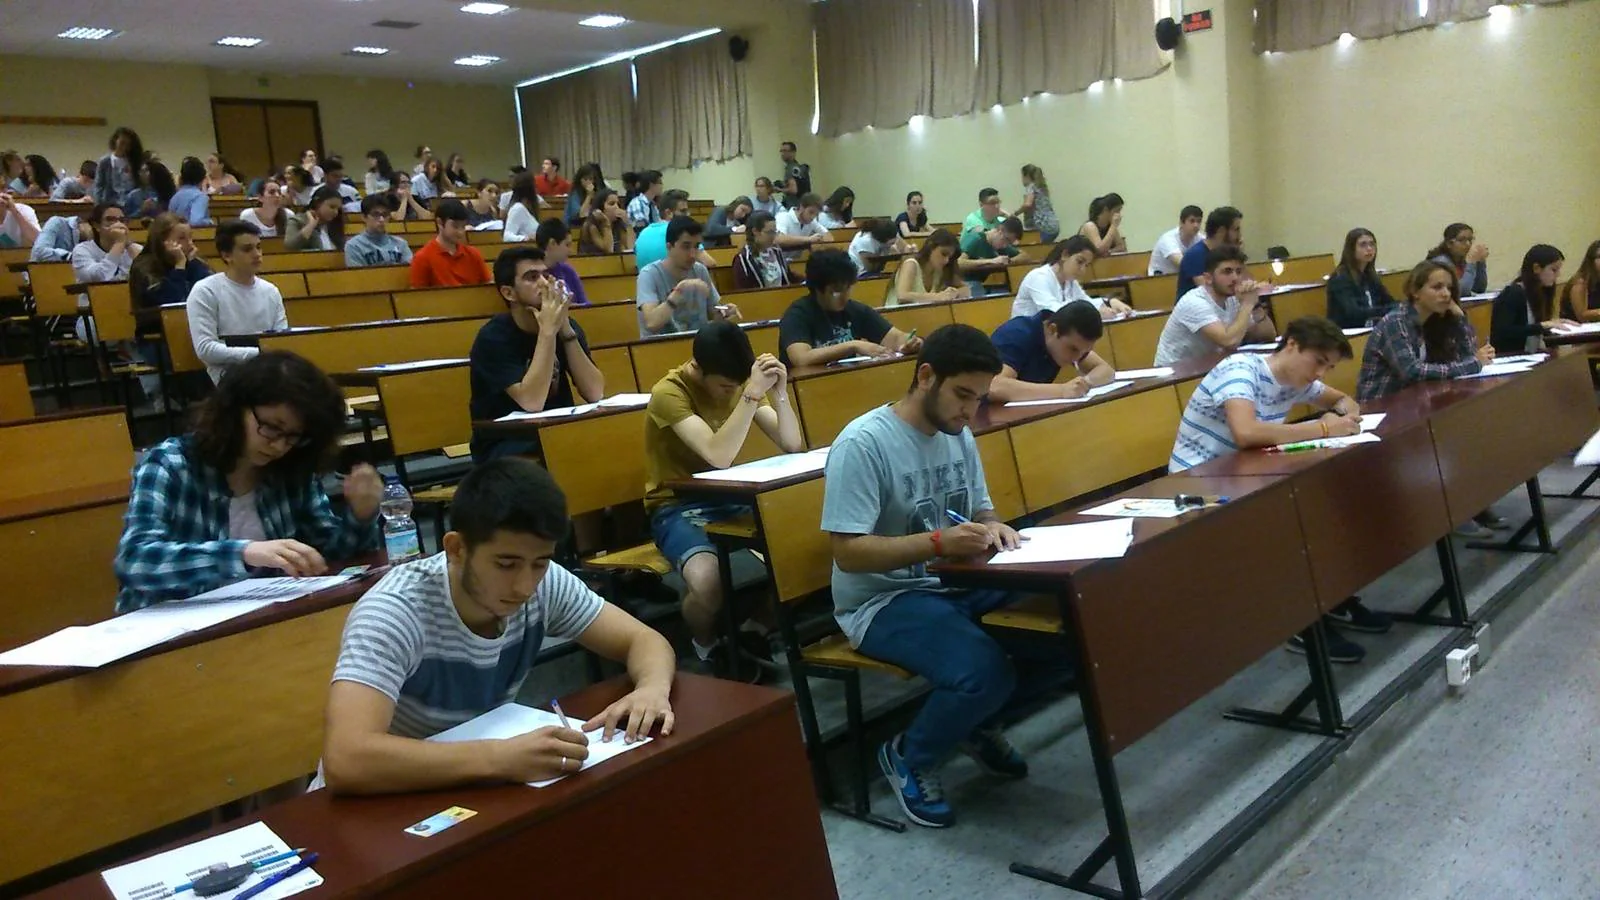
642,209
798,227
987,215
233,301
1224,227
549,183
1034,350
530,358
444,639
698,419
1243,403
1221,313
554,238
983,252
1167,255
904,488
826,326
448,259
678,294
375,246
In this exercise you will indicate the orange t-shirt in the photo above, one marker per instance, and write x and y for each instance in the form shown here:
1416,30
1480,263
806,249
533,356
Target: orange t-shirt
432,266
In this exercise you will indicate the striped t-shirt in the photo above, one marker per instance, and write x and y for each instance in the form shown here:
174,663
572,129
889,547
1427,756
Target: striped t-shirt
405,639
1204,435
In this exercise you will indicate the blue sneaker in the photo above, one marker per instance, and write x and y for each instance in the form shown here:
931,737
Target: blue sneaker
921,794
994,754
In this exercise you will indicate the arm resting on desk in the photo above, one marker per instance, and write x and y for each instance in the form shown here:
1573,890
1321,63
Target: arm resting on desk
616,635
1250,432
151,566
875,553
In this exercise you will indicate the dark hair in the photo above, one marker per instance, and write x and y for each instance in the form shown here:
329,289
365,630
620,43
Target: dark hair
669,200
230,231
423,148
161,182
1574,305
300,173
98,212
836,200
508,494
371,203
829,268
1191,212
1104,204
385,170
882,230
761,178
505,265
152,264
1011,226
985,194
735,204
1221,219
554,162
941,238
1439,333
551,230
482,182
334,229
191,171
450,210
722,348
1222,253
1451,232
135,154
599,201
647,178
1079,317
41,173
1317,334
523,191
912,194
89,169
786,145
758,220
1541,299
1347,258
333,163
808,200
1071,246
267,379
957,350
680,226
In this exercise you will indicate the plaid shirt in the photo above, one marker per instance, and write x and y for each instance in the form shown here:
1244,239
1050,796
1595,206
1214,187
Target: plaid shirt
1395,356
175,541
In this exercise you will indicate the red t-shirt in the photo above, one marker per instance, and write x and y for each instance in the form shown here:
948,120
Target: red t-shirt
433,267
548,187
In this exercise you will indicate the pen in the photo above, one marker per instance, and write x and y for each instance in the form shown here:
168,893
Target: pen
304,863
1300,447
956,517
565,722
260,863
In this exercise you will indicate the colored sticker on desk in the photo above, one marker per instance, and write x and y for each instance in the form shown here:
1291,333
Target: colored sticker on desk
438,822
356,570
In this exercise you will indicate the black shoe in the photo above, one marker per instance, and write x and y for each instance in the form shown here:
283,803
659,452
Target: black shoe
1492,520
1340,648
1353,616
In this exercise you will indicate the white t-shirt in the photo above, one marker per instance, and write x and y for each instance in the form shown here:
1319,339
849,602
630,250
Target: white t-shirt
244,520
1181,338
218,305
11,228
254,218
788,222
1203,432
863,246
1166,245
1041,291
521,224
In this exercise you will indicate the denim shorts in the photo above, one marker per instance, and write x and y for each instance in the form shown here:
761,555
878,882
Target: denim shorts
679,529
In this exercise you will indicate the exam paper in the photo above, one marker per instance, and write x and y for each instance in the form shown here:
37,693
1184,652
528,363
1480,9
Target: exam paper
1061,543
514,719
1330,443
619,401
1371,421
1585,328
155,877
1498,368
272,590
1257,348
1157,372
1100,391
414,364
1138,507
773,468
850,359
92,646
1589,453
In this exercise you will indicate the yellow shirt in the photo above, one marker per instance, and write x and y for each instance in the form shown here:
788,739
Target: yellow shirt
666,457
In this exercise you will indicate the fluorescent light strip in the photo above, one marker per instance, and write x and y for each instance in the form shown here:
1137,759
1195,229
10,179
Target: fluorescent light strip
238,42
485,9
619,57
88,34
603,21
369,51
477,60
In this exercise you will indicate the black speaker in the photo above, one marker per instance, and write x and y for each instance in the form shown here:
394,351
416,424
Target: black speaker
738,48
1168,33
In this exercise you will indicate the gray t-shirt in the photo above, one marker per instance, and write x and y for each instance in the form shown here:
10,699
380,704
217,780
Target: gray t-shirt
656,281
1181,338
889,479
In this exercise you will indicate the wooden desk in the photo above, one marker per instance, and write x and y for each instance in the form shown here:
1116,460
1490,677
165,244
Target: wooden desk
16,397
62,452
1132,342
56,552
424,408
351,347
722,806
830,397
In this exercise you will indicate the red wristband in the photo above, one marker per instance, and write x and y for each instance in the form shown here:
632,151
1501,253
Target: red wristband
937,550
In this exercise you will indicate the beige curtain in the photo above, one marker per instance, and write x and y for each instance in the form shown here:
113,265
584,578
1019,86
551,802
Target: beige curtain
587,117
880,62
692,106
1029,47
1288,25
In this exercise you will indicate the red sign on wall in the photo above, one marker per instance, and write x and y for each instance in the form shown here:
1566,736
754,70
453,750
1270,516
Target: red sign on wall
1197,21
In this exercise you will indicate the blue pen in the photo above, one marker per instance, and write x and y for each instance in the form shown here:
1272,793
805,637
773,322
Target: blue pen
956,517
257,864
565,722
304,863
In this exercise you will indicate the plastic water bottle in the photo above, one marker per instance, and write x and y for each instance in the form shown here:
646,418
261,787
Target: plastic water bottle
400,539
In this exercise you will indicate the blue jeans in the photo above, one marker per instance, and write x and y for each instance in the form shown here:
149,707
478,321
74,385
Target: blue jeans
977,676
679,529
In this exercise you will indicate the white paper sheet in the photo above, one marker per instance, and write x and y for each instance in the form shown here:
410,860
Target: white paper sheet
1357,332
851,359
616,401
414,364
1138,507
1585,328
155,877
1589,453
1329,443
92,646
1497,369
513,719
1061,543
1371,421
272,590
773,468
619,401
1285,288
1100,391
1533,358
1257,348
1157,372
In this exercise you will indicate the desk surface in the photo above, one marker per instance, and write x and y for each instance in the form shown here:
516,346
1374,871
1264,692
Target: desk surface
997,416
66,500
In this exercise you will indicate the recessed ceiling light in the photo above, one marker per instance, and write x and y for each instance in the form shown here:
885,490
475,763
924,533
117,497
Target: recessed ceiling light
88,34
477,60
369,51
238,42
485,9
604,21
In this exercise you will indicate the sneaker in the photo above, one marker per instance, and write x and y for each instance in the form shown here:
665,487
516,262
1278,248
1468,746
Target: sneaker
1493,520
1352,615
921,794
994,754
1473,531
1340,648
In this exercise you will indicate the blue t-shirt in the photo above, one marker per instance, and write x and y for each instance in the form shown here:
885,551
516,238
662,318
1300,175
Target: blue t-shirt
650,245
1191,267
1022,347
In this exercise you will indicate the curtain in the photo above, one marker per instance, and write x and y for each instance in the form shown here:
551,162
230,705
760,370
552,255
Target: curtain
1028,47
1288,25
587,117
692,106
880,62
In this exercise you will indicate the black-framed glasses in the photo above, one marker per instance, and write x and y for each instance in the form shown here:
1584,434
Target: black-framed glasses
274,434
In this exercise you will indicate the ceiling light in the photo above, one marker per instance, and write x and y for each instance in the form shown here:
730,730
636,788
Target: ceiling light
477,60
88,34
485,9
238,42
369,51
604,21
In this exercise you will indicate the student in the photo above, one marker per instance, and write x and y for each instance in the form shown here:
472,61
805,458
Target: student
155,191
1055,284
1104,228
891,476
698,419
13,172
403,202
308,162
1167,255
168,267
297,185
1356,295
765,200
58,236
727,221
549,183
109,256
19,224
1223,312
219,177
642,209
1526,308
1243,403
877,237
375,246
456,171
530,358
333,167
117,173
583,197
606,229
1426,338
380,173
191,203
522,217
450,637
838,211
448,260
650,245
321,225
826,326
79,189
760,264
983,252
271,218
431,184
1036,209
233,301
1035,348
423,156
1224,227
933,275
554,238
242,493
793,170
914,221
41,178
677,294
484,208
1581,299
986,216
798,228
1461,250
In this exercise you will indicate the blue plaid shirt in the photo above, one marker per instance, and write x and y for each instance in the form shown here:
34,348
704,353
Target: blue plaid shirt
175,541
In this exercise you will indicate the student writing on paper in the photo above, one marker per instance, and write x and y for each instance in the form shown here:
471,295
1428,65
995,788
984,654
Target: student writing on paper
826,325
1526,308
1221,313
243,491
1242,403
445,639
1034,349
891,476
530,358
1055,284
698,418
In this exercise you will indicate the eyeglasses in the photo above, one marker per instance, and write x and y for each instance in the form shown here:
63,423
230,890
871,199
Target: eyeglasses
273,434
1461,239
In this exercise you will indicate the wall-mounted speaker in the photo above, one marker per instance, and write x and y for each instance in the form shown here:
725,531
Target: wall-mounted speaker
1168,33
738,48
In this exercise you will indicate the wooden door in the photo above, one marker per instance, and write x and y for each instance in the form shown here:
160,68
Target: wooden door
261,136
293,128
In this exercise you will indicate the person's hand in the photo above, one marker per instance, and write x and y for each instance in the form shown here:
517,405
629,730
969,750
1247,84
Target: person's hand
1342,426
1457,311
949,293
911,347
1478,253
781,372
869,348
619,215
1249,294
118,232
544,753
1005,537
1486,354
6,203
175,253
363,490
552,312
291,556
966,539
729,311
762,376
1351,408
634,715
1118,307
1116,218
964,292
1075,388
737,229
